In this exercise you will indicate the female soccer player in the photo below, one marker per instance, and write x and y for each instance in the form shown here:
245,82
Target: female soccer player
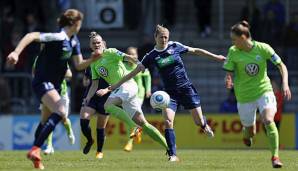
246,61
110,67
50,70
143,81
166,56
45,112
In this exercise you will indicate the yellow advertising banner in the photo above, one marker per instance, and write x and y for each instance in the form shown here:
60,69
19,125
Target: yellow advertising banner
227,129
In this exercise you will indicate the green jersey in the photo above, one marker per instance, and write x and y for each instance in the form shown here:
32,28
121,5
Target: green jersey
143,87
110,66
63,84
250,70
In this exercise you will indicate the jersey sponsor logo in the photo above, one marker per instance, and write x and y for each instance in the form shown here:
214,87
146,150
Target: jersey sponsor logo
170,51
258,57
252,69
162,62
103,71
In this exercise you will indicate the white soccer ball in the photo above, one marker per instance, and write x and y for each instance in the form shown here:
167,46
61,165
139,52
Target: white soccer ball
160,100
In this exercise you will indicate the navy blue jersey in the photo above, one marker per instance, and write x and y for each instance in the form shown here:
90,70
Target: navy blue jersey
169,64
51,64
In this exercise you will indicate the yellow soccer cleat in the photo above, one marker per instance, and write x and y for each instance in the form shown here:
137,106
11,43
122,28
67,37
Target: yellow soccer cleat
136,134
99,155
128,147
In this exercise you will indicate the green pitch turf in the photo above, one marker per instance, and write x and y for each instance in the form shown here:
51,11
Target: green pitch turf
153,160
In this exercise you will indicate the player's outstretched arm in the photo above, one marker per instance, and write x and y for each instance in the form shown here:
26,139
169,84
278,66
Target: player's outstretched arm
285,85
140,67
13,57
91,91
205,53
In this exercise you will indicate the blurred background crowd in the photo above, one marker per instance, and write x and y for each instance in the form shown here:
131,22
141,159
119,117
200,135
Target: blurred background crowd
197,23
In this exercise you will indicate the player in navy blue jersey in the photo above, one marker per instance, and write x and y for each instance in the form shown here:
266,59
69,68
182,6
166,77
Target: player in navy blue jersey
50,70
166,56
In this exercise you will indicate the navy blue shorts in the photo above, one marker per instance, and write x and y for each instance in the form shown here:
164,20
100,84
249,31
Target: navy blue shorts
97,102
41,88
186,96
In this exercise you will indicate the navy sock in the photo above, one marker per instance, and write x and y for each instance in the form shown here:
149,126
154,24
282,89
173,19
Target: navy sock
38,130
85,128
100,138
48,127
171,141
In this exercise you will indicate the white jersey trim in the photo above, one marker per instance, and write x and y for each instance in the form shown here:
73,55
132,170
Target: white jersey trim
49,37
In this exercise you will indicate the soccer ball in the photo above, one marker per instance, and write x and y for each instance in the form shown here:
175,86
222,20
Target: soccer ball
159,100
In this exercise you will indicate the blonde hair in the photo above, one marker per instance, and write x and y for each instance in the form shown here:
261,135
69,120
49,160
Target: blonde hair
159,29
94,34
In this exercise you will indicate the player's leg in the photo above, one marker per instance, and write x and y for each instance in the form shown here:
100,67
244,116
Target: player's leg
247,113
66,121
45,113
267,107
102,120
85,114
201,121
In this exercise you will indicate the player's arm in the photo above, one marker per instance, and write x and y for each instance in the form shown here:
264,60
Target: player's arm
147,83
229,80
13,57
131,58
205,53
285,85
81,64
91,92
140,67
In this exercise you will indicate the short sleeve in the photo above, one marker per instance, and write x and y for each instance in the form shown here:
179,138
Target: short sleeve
270,54
181,48
146,60
49,37
229,64
115,53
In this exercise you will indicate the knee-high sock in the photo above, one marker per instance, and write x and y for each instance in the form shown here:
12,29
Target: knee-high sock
121,115
49,140
49,126
67,126
86,130
100,138
38,130
246,133
272,134
155,134
171,140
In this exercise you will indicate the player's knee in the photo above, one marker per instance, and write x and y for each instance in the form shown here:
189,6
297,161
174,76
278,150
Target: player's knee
169,123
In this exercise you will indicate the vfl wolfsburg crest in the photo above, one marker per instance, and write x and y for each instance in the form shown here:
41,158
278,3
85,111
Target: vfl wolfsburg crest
252,69
103,71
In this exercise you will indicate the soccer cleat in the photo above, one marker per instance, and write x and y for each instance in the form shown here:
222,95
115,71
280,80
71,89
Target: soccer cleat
99,155
206,128
49,150
88,147
34,156
128,147
247,141
71,138
276,163
174,159
136,134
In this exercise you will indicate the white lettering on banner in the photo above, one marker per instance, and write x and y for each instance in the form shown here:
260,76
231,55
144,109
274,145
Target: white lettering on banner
24,133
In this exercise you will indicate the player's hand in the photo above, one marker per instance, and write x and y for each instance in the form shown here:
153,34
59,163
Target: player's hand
221,58
102,92
113,87
12,58
286,92
229,82
148,94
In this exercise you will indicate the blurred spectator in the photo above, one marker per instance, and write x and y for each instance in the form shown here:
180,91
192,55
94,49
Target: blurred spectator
251,13
150,16
63,5
4,96
168,12
230,104
273,22
290,43
132,13
204,8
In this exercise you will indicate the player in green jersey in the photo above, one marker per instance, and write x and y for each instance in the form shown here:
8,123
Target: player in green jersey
111,68
143,80
66,121
247,72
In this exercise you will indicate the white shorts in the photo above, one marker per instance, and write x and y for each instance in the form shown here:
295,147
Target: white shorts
127,92
247,111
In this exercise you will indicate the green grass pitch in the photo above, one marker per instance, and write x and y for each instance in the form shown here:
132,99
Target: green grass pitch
153,160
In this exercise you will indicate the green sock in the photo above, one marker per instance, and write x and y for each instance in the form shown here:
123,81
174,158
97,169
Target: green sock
121,115
155,134
67,126
272,134
49,140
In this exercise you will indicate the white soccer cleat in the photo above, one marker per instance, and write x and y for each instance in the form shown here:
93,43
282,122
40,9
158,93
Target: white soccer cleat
72,138
49,150
174,159
208,131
